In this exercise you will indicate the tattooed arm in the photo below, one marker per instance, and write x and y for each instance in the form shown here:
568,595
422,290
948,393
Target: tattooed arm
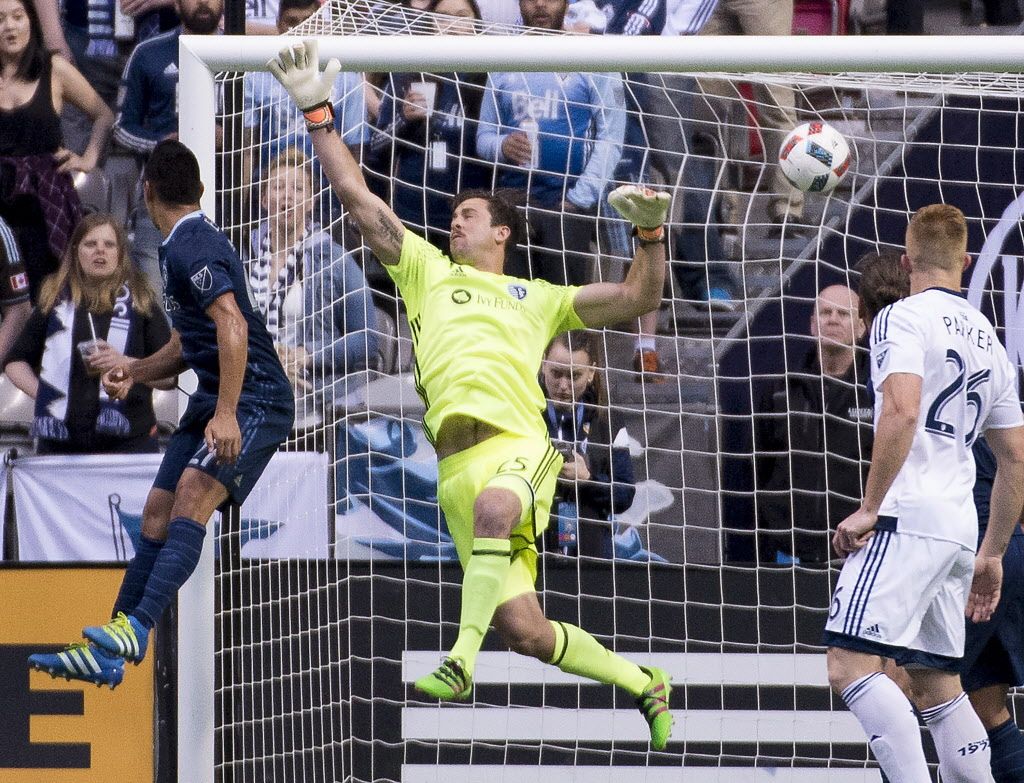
381,228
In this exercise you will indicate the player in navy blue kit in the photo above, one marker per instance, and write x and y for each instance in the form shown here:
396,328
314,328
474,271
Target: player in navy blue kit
240,414
994,651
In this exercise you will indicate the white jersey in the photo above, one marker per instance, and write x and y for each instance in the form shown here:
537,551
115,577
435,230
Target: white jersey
968,386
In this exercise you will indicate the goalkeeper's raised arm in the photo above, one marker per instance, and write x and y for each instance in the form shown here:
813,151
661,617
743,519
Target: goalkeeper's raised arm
298,69
603,304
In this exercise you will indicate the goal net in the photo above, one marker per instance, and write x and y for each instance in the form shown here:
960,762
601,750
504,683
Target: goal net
708,554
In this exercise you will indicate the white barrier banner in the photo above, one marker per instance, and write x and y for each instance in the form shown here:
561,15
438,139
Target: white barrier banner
89,508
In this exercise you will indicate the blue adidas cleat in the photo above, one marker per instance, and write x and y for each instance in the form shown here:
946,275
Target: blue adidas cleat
80,661
124,636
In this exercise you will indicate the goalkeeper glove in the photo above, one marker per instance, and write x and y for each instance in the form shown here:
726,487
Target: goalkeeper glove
298,69
644,208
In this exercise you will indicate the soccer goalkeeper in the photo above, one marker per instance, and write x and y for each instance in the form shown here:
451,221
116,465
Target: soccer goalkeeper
479,337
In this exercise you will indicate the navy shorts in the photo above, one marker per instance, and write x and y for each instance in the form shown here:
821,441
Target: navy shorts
994,651
265,425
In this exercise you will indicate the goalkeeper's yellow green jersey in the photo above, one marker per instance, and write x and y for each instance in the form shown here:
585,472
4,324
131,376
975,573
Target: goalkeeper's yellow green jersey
479,338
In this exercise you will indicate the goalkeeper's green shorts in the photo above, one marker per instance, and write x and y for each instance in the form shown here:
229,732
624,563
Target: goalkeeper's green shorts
529,468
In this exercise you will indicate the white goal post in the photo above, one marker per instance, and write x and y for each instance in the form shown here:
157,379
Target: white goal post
990,68
700,54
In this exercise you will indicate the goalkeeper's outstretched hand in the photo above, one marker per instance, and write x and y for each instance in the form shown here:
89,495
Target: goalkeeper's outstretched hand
297,67
642,207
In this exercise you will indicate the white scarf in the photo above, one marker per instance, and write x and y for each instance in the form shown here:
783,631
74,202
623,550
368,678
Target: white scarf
51,410
270,295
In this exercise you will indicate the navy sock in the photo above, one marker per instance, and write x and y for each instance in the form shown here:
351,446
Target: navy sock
175,563
1007,745
136,575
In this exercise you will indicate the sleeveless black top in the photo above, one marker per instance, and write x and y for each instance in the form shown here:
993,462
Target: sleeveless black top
33,128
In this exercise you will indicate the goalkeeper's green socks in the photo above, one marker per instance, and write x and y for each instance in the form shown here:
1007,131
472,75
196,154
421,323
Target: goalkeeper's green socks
485,577
577,652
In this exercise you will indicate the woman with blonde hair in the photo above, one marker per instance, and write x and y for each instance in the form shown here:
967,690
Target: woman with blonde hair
311,293
93,314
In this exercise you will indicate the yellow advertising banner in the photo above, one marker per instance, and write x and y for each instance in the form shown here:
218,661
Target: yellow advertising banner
53,731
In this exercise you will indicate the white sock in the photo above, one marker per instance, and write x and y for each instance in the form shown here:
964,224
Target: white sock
645,343
888,719
960,740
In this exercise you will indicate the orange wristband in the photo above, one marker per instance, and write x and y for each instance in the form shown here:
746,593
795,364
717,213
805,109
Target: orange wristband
650,234
319,116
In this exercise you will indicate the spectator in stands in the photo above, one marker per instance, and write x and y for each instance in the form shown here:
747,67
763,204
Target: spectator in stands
68,31
883,280
97,36
986,12
37,193
659,114
596,480
407,17
616,17
628,17
92,314
813,437
905,17
272,121
312,293
557,137
776,112
687,17
695,246
263,17
148,111
14,303
505,12
426,139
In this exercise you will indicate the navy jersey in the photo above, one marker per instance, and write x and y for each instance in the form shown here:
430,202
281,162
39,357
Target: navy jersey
985,475
199,264
147,104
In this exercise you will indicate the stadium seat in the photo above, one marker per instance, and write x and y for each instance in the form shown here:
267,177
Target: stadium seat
94,190
820,17
16,408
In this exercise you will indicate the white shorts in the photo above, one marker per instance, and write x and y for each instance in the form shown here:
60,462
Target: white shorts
903,597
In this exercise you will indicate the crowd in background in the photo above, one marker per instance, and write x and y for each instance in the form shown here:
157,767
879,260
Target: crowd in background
86,81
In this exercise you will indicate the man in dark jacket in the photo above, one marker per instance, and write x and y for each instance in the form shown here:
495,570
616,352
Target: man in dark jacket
813,438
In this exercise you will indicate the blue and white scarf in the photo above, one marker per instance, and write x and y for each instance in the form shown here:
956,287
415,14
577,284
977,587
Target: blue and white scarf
59,353
270,294
101,29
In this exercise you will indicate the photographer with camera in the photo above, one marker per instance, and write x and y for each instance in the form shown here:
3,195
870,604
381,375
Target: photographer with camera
596,480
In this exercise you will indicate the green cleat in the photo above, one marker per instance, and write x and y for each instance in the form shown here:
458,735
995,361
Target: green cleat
653,704
448,682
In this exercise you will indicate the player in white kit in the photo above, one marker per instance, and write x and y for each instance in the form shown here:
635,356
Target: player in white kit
940,378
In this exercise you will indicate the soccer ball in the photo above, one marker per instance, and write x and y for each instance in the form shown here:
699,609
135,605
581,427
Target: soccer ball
814,157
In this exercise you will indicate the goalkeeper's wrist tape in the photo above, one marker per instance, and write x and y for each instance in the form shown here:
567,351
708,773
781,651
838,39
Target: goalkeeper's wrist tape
319,116
649,236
